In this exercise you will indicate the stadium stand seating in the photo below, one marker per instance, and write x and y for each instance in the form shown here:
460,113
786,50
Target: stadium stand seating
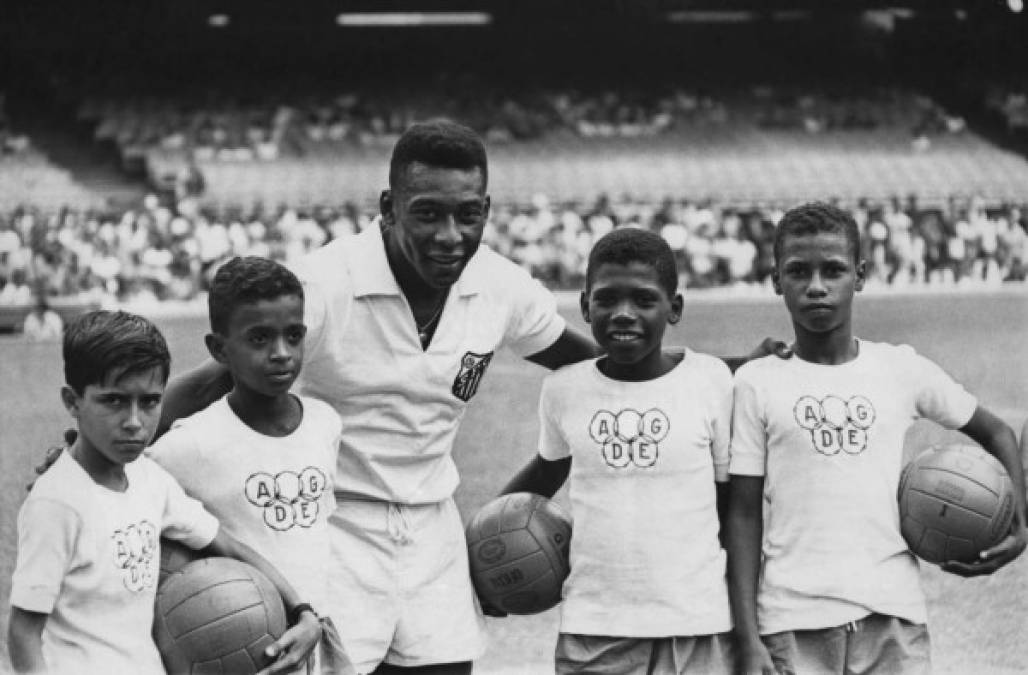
28,177
763,144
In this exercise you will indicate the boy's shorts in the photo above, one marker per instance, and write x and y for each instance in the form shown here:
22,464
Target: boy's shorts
877,643
607,655
399,588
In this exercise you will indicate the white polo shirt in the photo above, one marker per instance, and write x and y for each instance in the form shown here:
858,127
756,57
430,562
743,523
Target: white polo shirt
401,406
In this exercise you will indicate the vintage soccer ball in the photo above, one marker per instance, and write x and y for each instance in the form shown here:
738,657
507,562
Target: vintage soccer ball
955,501
217,615
518,553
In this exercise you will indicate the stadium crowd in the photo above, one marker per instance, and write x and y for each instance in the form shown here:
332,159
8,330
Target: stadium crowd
291,122
228,128
156,252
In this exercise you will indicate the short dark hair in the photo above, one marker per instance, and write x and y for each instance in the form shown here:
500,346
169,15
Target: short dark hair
814,218
625,245
439,142
247,280
102,344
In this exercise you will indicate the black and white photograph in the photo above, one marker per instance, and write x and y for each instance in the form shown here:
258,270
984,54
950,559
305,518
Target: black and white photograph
513,337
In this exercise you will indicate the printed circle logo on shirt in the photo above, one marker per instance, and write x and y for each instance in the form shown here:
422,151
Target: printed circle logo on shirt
287,498
135,548
629,437
836,425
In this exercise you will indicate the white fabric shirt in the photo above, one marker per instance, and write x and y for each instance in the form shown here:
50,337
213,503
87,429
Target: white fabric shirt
41,328
829,441
89,557
645,556
271,493
402,406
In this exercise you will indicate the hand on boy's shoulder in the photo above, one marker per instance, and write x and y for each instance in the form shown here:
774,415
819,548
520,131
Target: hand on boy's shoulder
52,453
770,346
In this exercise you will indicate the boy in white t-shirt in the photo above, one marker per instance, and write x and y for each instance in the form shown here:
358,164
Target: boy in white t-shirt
260,458
821,578
644,435
83,589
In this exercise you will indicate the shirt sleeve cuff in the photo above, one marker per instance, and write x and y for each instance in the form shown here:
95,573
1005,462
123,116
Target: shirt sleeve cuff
542,340
203,533
552,456
969,406
41,600
747,466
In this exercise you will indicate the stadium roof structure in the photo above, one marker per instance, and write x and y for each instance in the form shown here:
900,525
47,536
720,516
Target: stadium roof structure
268,12
34,24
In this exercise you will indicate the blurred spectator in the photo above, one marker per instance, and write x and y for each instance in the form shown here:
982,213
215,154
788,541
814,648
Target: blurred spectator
15,290
42,324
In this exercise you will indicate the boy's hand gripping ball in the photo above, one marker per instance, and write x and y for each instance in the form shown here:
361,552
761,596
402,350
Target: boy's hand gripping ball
955,501
518,553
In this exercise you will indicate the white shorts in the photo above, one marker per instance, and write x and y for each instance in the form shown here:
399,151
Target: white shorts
399,590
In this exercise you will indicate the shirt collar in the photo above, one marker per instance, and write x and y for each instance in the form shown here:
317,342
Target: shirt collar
373,276
371,272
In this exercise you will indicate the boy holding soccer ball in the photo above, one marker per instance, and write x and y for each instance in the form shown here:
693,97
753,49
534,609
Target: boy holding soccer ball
260,458
644,434
817,440
83,589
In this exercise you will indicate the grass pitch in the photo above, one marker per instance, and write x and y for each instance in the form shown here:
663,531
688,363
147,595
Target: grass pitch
977,625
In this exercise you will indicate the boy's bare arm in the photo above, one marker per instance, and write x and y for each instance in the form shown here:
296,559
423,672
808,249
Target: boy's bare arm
299,640
571,347
193,391
745,529
722,494
540,476
25,640
999,440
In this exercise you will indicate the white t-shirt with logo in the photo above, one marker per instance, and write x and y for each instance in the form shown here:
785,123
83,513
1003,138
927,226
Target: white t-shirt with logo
271,493
645,556
402,405
829,441
89,557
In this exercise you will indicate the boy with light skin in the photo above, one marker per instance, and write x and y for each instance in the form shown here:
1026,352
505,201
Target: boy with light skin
83,589
261,459
644,435
817,440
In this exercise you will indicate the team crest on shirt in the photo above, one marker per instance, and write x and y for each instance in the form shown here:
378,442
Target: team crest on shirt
472,369
836,425
135,548
629,437
288,498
